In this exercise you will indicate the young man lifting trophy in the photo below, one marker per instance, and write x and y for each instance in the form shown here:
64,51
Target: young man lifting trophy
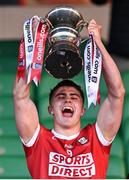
66,151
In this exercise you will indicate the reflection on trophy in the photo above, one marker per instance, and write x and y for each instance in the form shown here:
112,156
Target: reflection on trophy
63,58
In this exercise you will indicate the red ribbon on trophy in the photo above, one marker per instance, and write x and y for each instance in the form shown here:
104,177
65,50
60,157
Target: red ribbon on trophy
92,71
21,60
32,48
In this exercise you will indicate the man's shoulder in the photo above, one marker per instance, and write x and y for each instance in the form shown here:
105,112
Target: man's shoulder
44,130
88,127
88,130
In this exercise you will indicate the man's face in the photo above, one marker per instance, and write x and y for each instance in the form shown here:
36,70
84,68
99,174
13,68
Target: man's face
67,107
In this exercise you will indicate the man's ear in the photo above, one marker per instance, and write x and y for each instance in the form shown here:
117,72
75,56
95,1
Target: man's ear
83,111
50,110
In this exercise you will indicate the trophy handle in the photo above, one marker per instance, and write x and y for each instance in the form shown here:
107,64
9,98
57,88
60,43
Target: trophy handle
47,22
86,24
81,24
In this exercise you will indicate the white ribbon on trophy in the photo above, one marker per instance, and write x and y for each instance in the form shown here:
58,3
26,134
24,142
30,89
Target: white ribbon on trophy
92,70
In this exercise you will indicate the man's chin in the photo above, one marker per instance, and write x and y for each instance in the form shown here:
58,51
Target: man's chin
68,121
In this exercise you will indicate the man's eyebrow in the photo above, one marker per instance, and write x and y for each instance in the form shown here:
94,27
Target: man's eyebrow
75,94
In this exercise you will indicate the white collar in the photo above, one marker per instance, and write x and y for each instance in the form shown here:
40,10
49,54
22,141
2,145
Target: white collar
60,136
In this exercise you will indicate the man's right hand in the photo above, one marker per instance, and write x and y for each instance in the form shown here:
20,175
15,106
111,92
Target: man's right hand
21,89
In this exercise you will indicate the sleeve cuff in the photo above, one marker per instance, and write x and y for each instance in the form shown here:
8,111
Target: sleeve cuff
33,139
101,138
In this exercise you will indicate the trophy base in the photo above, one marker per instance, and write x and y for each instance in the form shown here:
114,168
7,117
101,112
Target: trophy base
63,60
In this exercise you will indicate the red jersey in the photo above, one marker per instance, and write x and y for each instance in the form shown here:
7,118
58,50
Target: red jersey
51,157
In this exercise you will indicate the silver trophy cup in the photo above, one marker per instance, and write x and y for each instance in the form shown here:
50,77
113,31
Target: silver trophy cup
63,58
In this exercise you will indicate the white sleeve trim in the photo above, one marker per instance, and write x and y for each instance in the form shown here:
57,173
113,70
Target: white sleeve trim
102,139
33,139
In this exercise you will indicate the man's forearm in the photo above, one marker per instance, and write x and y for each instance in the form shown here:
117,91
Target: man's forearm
111,74
25,111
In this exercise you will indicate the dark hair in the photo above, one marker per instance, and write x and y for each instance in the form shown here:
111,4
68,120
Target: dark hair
66,83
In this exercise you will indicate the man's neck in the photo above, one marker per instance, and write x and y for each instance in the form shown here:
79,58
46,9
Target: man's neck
66,131
65,137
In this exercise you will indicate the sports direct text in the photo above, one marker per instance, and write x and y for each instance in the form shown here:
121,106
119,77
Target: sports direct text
78,166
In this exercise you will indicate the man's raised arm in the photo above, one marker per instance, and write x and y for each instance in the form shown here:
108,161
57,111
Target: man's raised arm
25,110
110,114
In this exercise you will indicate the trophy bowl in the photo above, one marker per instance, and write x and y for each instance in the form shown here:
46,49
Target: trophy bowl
63,58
